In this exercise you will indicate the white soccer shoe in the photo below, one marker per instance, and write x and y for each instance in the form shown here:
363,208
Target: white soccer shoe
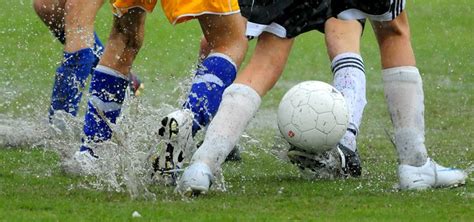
83,163
430,175
176,144
196,179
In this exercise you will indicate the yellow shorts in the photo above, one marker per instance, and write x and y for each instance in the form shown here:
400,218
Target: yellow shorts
121,7
178,11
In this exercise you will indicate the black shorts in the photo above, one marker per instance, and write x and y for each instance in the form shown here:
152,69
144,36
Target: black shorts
381,10
285,18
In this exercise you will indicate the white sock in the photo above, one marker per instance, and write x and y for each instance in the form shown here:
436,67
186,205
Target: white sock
239,105
404,94
349,79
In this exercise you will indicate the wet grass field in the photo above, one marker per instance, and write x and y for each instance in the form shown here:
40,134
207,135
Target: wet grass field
263,186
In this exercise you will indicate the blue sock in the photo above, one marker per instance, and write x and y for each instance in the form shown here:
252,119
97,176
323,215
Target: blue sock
72,74
214,75
70,80
98,48
107,92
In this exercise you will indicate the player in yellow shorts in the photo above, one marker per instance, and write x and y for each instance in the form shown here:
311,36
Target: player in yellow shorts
178,11
224,30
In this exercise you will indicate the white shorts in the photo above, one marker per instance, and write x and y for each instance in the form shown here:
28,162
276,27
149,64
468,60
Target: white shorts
369,9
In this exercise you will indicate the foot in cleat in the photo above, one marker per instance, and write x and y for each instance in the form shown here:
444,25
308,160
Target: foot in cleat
350,161
429,175
325,165
176,144
340,162
135,85
196,180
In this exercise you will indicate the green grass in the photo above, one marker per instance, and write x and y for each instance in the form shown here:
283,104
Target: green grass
261,187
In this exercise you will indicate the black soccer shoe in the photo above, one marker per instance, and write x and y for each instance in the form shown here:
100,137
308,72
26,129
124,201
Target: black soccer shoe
350,161
324,165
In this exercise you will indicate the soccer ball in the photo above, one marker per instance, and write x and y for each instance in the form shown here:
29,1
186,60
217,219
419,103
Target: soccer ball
313,116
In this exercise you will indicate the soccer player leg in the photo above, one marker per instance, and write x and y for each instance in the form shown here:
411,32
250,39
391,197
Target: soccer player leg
239,104
70,81
51,12
107,93
81,54
214,74
343,43
110,80
404,94
219,69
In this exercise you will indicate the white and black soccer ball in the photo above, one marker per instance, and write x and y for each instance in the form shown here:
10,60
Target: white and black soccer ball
313,116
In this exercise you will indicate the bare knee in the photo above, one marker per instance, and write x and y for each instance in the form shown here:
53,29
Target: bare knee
342,36
125,41
233,43
397,28
131,28
394,42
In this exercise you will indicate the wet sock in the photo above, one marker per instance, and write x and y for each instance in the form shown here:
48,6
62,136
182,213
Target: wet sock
239,105
404,94
214,75
70,81
107,93
349,79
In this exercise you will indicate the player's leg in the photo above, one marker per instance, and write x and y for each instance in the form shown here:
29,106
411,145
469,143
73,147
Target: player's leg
343,43
219,68
51,12
222,55
404,94
240,102
81,53
258,77
110,78
79,20
403,89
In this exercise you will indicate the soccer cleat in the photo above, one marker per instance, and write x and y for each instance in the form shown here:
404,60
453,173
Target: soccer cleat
325,165
350,161
176,144
430,175
196,179
340,162
136,85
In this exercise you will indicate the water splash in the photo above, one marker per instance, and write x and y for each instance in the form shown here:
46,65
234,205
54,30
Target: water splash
123,163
